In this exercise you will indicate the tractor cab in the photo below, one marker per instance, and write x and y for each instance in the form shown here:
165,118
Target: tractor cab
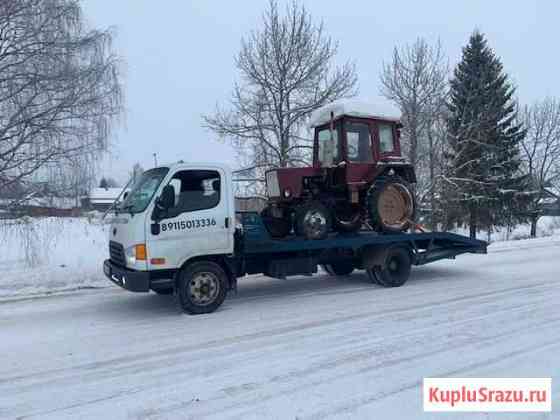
350,139
358,177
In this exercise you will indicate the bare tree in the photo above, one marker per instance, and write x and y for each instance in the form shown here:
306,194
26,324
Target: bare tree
286,73
431,166
70,179
136,172
416,81
60,88
541,151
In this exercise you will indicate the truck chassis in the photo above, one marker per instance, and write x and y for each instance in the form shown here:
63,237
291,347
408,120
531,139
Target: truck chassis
201,285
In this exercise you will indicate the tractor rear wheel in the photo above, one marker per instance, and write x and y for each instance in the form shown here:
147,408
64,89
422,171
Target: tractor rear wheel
313,220
390,204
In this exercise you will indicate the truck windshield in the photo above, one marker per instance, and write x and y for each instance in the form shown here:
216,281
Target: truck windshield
143,190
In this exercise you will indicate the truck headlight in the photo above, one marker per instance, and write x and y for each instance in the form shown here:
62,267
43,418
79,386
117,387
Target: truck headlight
130,254
135,253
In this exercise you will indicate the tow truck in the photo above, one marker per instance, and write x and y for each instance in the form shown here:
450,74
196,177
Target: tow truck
176,231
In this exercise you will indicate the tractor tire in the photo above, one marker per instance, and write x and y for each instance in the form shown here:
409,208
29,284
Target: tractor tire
348,218
390,204
277,227
313,220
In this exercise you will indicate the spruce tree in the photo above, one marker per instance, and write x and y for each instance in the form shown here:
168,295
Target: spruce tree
484,178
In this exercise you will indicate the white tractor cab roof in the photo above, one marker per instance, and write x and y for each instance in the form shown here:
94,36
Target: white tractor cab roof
352,108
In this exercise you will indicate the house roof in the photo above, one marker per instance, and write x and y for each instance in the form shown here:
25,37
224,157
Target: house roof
104,194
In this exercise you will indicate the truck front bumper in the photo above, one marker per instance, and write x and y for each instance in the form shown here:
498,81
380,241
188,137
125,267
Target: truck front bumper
135,281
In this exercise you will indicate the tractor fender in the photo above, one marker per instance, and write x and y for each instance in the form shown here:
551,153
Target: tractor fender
404,170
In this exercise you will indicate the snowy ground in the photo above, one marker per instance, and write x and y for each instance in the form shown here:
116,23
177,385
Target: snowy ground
313,347
49,255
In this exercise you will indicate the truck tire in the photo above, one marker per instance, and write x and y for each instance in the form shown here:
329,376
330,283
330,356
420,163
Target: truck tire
340,268
277,227
201,287
395,270
347,219
313,220
390,204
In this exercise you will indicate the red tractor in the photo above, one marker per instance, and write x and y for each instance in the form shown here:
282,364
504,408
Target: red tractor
358,178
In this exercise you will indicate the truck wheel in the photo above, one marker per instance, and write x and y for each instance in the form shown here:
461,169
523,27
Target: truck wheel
395,270
347,218
340,268
278,227
313,220
390,204
202,287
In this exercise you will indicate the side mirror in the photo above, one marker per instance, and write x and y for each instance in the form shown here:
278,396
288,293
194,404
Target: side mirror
167,198
164,202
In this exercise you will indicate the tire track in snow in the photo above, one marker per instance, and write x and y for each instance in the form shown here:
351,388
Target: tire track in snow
160,354
351,361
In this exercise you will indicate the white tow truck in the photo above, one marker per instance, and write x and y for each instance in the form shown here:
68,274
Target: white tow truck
176,231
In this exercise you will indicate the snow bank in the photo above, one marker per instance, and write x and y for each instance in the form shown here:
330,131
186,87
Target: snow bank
352,108
547,226
45,255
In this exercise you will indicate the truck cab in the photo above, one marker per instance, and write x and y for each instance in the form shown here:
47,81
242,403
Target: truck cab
172,214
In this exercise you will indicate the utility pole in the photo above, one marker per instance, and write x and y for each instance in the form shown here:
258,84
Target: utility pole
155,159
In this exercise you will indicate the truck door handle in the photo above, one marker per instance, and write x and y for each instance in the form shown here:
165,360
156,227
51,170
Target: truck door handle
226,222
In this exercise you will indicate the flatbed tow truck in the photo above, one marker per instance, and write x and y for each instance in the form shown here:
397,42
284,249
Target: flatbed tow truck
176,232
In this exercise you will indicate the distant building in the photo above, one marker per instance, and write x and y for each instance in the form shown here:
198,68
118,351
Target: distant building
550,204
100,199
35,200
250,204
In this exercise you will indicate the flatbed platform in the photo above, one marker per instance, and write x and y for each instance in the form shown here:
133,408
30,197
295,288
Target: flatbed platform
426,246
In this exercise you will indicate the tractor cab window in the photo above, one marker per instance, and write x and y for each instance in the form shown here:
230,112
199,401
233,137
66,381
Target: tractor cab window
386,142
328,147
358,139
195,190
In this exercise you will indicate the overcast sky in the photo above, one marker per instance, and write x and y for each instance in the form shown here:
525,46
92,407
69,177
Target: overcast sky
179,58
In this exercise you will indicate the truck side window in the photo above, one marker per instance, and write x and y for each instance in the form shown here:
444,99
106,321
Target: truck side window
195,190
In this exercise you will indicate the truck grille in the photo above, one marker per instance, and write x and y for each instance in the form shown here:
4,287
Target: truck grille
116,253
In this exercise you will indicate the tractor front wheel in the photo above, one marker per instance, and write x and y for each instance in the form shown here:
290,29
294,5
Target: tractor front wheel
313,220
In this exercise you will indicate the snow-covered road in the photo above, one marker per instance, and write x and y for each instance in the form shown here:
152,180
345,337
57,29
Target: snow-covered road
306,347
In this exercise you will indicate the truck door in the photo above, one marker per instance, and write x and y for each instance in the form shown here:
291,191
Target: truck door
198,224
